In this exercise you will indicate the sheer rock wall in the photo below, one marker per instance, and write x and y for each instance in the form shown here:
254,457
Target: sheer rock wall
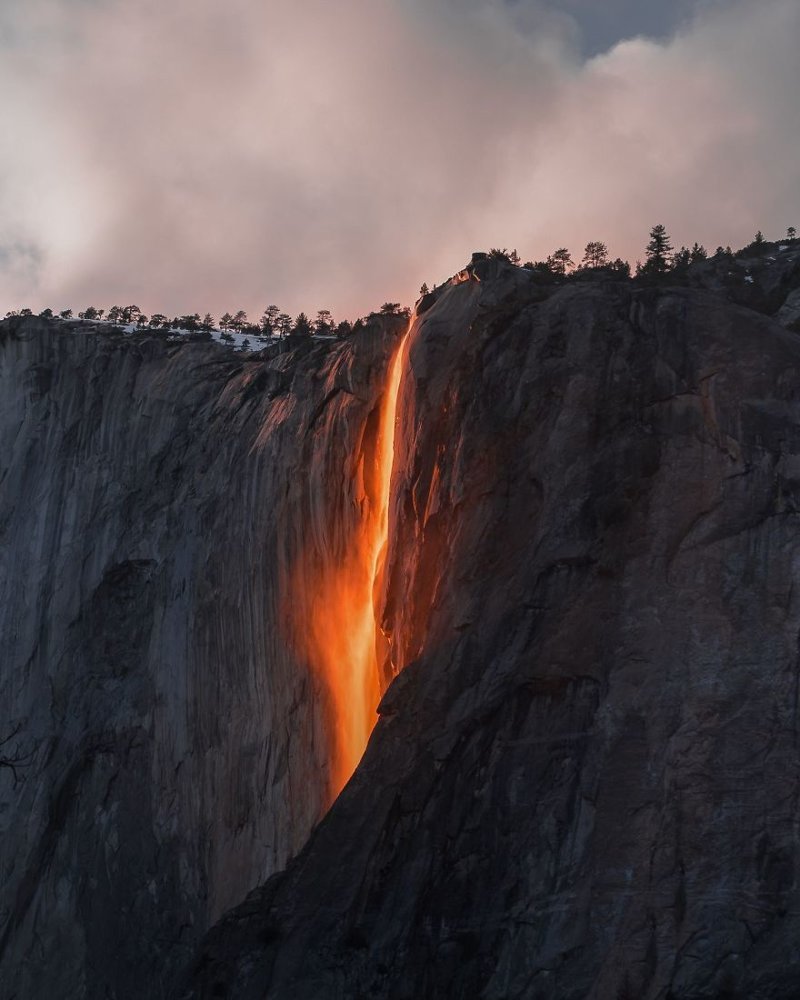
154,500
584,783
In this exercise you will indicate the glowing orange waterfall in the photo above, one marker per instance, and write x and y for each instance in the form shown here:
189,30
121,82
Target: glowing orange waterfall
341,637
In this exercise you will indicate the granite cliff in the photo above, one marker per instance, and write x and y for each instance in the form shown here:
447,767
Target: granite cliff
583,780
155,500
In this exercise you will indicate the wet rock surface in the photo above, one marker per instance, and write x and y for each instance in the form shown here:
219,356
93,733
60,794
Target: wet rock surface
170,747
584,782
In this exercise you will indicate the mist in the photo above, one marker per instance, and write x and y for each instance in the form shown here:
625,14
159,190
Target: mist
194,156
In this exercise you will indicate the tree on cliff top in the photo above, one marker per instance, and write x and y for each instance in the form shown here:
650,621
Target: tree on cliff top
323,324
510,256
595,255
659,254
302,326
269,321
698,253
560,261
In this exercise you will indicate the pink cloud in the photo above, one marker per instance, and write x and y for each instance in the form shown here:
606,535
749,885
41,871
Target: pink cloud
195,155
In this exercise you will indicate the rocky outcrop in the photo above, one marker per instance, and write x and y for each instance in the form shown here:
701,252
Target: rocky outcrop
171,747
584,781
760,277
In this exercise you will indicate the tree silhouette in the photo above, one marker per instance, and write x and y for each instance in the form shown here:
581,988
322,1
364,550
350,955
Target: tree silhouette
284,325
698,253
269,321
681,261
510,256
302,326
129,314
323,324
658,252
595,255
560,261
344,329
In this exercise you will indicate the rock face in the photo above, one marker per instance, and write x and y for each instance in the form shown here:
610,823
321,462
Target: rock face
584,782
169,746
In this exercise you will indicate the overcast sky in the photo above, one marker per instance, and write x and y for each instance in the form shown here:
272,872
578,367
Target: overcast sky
198,155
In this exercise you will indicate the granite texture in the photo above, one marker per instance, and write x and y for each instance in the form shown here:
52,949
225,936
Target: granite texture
155,497
584,782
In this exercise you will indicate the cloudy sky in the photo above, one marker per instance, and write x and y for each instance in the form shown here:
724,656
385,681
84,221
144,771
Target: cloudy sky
222,154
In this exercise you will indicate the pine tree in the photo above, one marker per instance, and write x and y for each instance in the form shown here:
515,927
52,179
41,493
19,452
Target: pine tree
323,324
595,255
302,326
284,324
129,314
791,233
269,321
681,261
658,252
560,261
344,329
698,253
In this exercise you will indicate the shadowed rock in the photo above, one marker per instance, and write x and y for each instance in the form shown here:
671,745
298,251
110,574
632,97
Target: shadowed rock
584,782
154,497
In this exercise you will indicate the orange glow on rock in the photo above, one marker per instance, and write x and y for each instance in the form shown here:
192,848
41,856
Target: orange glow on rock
342,640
